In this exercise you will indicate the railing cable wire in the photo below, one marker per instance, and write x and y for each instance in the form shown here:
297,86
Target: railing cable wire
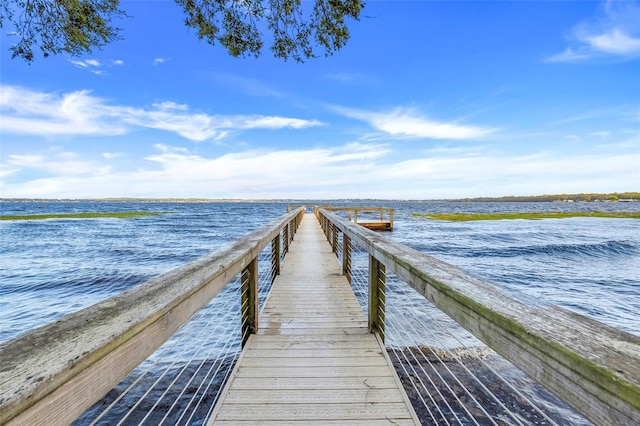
400,326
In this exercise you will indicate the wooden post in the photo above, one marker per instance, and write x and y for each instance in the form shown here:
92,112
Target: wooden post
285,239
275,258
325,227
346,256
391,219
376,296
249,300
54,373
334,239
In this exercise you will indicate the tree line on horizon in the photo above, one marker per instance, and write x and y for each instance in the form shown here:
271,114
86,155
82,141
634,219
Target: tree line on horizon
586,197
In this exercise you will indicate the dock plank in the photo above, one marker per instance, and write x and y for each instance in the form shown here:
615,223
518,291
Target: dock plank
306,412
314,396
313,359
273,384
371,422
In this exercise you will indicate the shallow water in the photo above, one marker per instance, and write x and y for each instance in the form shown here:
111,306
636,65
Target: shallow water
49,268
53,267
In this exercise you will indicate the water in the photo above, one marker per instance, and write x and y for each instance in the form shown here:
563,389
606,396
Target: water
50,268
54,267
588,265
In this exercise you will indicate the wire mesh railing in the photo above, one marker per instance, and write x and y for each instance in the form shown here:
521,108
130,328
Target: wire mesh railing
182,381
450,376
157,354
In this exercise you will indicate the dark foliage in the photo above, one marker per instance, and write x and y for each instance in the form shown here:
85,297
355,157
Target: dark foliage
72,26
295,29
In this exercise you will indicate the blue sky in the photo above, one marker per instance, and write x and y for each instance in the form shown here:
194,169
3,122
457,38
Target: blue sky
428,100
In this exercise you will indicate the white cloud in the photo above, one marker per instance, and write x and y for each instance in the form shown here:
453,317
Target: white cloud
7,170
174,171
168,105
158,61
353,170
569,55
615,42
273,122
92,65
50,114
166,148
616,32
112,155
62,165
402,122
87,63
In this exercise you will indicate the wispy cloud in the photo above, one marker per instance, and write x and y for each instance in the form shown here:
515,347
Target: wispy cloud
49,114
95,66
615,32
332,172
7,170
175,171
92,65
158,61
87,63
407,122
112,155
62,164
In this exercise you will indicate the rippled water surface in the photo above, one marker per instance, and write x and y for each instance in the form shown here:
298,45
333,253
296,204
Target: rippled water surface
52,267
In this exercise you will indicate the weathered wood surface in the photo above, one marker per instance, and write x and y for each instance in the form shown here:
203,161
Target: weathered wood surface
313,360
591,366
54,373
377,225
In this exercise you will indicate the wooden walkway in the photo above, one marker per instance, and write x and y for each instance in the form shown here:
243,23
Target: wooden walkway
313,360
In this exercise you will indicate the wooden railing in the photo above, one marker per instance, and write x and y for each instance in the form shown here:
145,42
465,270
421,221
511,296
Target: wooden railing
383,224
51,375
592,367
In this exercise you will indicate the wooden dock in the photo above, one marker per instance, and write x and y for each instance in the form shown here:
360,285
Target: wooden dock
368,216
313,359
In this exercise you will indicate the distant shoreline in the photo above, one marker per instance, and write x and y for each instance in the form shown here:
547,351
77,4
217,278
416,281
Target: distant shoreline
581,197
467,217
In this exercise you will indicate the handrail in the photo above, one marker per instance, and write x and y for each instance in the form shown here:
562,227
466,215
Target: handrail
353,214
52,374
593,367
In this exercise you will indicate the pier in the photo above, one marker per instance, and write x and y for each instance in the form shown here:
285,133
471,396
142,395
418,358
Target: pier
374,218
312,358
308,353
